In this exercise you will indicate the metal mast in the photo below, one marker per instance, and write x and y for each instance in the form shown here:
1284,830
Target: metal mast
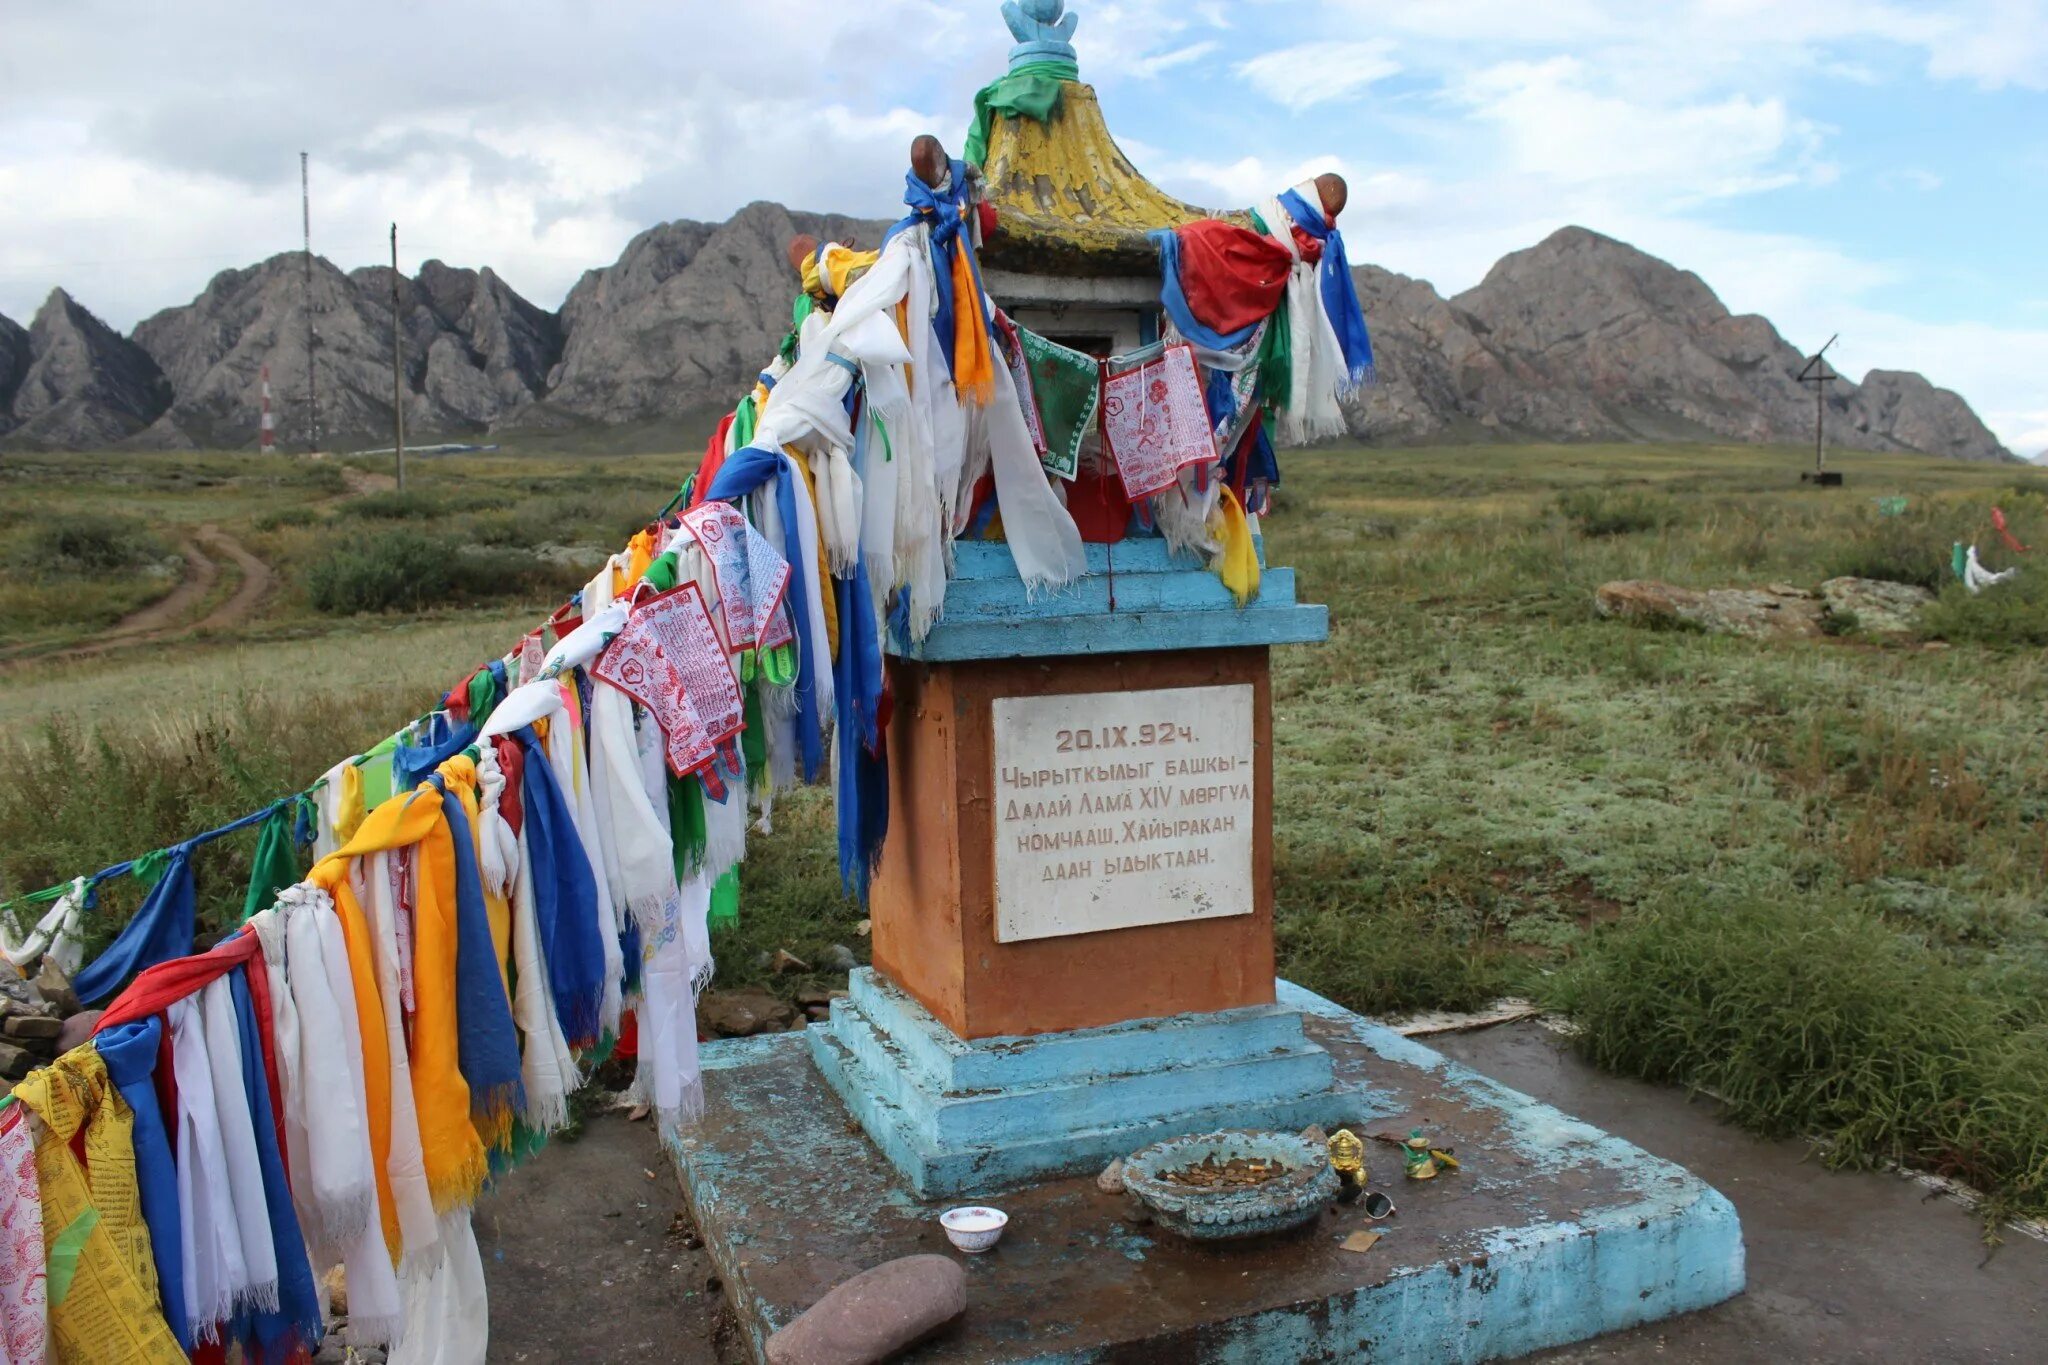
312,333
397,366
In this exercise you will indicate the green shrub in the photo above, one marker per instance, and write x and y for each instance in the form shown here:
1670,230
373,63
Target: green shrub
414,505
2011,613
403,569
1913,547
1598,512
397,570
82,544
485,572
287,516
1814,1020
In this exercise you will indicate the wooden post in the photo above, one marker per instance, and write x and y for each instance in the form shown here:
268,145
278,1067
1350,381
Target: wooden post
397,365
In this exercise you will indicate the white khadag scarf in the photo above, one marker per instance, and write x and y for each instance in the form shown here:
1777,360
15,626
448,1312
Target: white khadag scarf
59,933
340,1183
373,1304
1311,413
406,1165
447,1310
210,1235
546,1065
675,948
284,1033
258,1291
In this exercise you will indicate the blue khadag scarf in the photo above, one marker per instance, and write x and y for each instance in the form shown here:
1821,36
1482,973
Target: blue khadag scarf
487,1043
273,1338
130,1053
1340,293
863,790
946,213
564,899
744,471
162,928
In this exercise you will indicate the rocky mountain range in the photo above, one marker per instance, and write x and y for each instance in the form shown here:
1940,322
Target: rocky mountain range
1580,337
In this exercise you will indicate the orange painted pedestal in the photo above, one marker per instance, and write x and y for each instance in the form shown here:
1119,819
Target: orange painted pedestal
933,902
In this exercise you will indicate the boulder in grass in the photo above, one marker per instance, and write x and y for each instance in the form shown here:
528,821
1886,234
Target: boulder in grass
1876,606
1776,612
875,1315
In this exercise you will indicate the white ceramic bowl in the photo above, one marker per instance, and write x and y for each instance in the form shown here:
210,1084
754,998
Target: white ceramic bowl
975,1228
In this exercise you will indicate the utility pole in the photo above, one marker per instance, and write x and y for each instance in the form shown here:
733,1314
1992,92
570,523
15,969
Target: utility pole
312,333
397,365
1820,376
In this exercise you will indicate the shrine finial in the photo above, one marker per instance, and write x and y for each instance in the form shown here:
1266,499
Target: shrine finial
1043,29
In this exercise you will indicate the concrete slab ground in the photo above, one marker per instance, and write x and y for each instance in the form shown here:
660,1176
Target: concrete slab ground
1552,1232
1842,1266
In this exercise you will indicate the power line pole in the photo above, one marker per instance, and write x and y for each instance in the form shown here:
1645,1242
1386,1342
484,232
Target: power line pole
1820,376
312,334
397,366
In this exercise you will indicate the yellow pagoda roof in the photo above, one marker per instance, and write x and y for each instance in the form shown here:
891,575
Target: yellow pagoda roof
1068,199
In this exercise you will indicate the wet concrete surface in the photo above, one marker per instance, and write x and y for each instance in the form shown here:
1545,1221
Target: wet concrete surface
1842,1266
589,1255
1549,1231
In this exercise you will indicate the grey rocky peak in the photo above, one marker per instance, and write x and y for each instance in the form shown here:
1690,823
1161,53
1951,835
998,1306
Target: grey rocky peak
474,353
1580,337
1905,410
14,363
687,316
1585,337
85,386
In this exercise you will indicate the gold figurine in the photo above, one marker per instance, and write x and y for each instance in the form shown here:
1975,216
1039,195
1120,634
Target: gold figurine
1347,1158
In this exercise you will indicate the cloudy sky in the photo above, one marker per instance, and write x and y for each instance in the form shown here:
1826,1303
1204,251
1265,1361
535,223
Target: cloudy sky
1874,167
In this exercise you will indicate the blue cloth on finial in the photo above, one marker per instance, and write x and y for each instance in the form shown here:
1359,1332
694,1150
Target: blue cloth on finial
1043,30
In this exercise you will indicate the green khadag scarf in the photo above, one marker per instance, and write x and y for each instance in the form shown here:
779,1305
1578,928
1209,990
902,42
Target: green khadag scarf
743,423
1032,90
1276,348
1068,386
276,864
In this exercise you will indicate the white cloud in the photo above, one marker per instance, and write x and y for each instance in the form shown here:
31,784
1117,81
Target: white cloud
1162,62
1557,120
1309,74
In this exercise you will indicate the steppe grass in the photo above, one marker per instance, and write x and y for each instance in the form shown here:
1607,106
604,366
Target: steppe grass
1806,876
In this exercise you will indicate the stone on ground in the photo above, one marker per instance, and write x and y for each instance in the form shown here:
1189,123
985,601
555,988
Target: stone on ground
742,1014
1775,612
1879,608
875,1314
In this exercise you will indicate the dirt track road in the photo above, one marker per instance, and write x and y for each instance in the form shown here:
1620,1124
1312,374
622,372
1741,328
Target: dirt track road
170,617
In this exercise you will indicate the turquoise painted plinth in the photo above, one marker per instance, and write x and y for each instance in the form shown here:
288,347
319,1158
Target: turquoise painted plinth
1553,1232
959,1117
1137,595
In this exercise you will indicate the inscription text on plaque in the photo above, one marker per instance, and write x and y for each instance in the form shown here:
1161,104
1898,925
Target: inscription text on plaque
1115,809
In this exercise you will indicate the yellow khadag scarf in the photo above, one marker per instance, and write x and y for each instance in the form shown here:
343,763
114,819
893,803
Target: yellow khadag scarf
450,1147
825,596
113,1310
331,876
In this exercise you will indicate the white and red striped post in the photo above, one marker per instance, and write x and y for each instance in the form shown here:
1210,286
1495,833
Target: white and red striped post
266,431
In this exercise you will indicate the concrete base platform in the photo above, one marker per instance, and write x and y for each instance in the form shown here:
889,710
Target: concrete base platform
1554,1231
959,1117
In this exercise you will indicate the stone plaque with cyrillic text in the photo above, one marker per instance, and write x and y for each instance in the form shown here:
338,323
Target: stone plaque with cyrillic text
1116,809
